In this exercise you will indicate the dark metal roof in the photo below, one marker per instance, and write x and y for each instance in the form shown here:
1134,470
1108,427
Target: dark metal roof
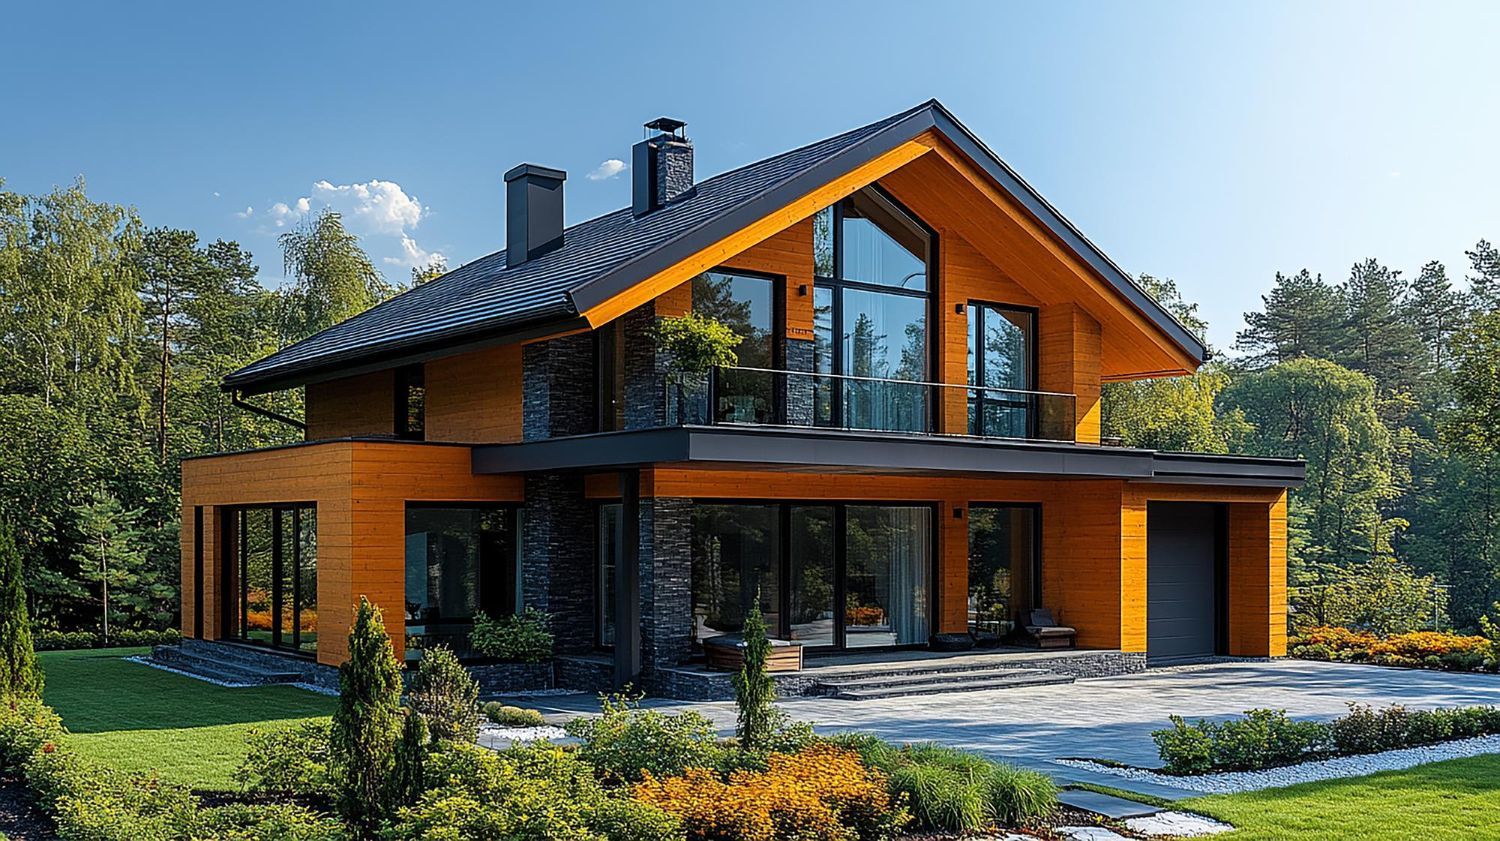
863,452
486,300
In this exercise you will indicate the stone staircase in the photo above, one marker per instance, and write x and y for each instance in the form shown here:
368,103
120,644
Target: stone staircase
899,682
228,664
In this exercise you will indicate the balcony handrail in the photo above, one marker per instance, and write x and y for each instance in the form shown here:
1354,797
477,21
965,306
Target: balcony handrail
964,386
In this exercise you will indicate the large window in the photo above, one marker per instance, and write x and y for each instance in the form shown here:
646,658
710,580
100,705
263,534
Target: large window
826,575
459,560
871,309
747,305
411,402
1004,566
273,558
1001,370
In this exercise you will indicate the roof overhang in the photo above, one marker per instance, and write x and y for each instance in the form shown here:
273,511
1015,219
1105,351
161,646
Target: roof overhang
838,451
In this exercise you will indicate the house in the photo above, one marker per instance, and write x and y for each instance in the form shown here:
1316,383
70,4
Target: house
908,446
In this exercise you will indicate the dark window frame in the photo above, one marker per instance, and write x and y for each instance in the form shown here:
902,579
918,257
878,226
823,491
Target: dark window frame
837,284
409,379
778,339
976,308
236,624
486,592
1037,567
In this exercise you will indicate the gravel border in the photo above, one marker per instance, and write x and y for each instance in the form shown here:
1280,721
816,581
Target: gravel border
1230,782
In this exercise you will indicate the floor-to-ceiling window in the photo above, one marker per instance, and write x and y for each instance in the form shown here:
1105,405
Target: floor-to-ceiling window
1002,373
273,558
871,305
827,575
1004,566
460,560
610,534
745,304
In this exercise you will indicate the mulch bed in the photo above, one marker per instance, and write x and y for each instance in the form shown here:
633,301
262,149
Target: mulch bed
20,820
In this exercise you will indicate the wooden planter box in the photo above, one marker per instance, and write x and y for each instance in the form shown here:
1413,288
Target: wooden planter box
727,653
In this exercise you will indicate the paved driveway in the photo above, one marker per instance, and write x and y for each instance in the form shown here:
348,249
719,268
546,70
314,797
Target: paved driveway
1112,718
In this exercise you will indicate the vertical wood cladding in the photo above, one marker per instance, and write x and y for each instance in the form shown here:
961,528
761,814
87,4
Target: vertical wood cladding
1069,362
1257,578
475,398
360,489
363,405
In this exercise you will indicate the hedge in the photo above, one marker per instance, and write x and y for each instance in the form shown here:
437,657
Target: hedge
65,640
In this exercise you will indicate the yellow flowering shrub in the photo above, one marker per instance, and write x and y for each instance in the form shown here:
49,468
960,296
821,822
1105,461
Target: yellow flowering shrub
1421,649
823,793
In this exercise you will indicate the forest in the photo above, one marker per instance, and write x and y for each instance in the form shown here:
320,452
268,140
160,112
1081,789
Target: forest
114,336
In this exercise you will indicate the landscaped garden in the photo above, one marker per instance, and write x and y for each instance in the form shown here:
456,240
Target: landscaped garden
1415,649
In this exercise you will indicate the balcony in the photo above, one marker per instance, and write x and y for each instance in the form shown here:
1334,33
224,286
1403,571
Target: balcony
744,396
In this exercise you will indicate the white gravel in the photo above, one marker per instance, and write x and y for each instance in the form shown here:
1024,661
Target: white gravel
1230,782
523,734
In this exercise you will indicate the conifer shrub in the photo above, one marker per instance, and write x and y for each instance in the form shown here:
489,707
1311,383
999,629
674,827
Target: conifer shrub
367,722
20,674
444,693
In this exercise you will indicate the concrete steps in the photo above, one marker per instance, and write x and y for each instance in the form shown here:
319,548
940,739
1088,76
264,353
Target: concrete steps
896,684
223,664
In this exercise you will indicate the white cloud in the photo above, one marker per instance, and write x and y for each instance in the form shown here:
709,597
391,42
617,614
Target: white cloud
607,170
216,193
246,213
380,211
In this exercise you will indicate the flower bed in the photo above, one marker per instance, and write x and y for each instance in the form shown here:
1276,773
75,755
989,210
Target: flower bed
1417,649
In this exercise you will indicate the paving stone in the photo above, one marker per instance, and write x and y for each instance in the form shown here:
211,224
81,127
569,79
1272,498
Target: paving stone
1177,825
1107,805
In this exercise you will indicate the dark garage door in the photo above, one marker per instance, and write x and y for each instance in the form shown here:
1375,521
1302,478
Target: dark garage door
1181,561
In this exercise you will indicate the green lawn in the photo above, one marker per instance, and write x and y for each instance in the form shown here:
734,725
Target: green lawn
1457,799
136,718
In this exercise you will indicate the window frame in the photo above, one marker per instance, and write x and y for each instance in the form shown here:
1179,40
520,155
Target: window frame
513,510
975,309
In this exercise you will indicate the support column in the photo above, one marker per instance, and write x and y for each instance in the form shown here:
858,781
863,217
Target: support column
1257,578
953,569
627,659
666,596
558,564
558,387
796,392
1069,341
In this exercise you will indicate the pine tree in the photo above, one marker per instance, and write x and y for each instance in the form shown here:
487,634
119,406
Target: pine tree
20,674
111,555
367,723
1484,277
1302,317
1380,340
1435,309
754,690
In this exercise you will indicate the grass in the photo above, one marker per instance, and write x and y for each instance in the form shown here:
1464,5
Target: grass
1457,799
137,718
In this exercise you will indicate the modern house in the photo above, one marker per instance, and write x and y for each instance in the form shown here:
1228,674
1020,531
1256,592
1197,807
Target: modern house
908,446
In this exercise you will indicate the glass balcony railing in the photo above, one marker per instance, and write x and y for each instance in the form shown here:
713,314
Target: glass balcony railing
769,397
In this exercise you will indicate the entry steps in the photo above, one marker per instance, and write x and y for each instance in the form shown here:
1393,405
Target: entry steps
222,664
902,682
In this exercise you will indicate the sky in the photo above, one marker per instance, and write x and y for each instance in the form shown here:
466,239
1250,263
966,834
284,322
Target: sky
1215,144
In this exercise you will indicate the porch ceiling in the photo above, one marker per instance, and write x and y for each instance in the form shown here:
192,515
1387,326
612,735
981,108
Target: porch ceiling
837,451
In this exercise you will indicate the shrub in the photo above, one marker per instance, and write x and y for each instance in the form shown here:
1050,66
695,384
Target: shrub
287,760
267,822
821,794
408,776
1367,730
367,721
625,742
19,672
523,638
50,640
941,798
534,792
507,716
1416,649
754,689
1263,738
446,696
26,724
1185,748
1015,796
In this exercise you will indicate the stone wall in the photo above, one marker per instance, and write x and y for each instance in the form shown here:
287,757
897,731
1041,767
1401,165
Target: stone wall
666,581
558,387
557,557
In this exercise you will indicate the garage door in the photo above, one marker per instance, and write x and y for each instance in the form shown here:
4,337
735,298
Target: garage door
1182,602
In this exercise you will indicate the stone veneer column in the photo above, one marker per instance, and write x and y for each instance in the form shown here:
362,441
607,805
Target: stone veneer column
666,581
645,370
557,558
558,387
797,391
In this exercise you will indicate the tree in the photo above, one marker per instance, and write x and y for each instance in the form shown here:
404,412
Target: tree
1471,427
333,278
432,271
754,689
408,775
367,722
1320,411
110,555
171,268
1302,317
1435,310
1173,414
1484,275
20,674
1166,293
1379,340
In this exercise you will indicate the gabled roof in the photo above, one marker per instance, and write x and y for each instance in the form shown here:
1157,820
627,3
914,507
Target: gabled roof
488,301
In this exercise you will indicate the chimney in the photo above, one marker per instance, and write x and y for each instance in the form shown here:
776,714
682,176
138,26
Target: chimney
661,165
533,212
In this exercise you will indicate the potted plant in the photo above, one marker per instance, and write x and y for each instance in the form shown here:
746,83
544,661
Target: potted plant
696,346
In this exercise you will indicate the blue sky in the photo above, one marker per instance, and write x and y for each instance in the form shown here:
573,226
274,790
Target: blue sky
1212,143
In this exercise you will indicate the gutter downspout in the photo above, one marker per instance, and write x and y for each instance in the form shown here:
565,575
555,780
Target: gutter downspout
237,400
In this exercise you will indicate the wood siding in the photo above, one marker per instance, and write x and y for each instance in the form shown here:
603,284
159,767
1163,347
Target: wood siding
363,405
360,489
475,398
790,255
